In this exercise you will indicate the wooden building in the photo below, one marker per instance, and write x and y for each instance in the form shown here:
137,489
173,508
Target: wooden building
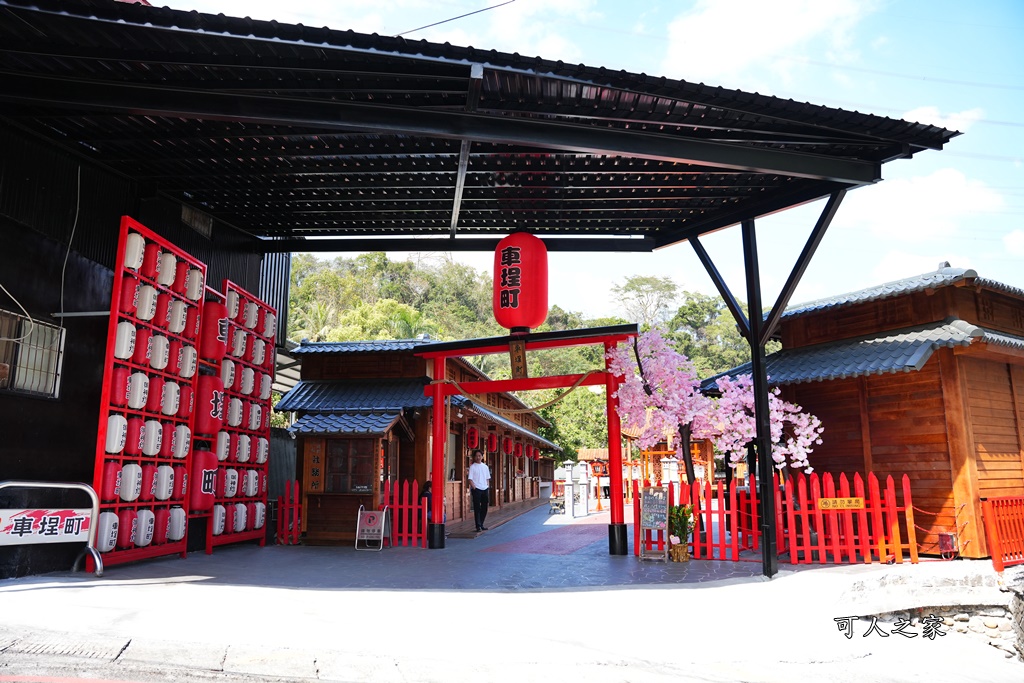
923,376
363,418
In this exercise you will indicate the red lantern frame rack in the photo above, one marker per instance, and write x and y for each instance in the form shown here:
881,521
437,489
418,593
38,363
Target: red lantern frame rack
170,296
251,326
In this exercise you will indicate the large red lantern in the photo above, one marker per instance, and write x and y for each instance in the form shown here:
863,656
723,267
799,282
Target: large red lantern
506,446
520,282
472,437
492,443
519,450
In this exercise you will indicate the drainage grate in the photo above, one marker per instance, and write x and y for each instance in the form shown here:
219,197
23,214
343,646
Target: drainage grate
70,646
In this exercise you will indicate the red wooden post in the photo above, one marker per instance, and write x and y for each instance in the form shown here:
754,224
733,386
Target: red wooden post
755,514
790,526
908,513
832,516
878,534
863,530
636,518
995,548
720,539
850,542
893,519
734,525
819,522
437,474
617,528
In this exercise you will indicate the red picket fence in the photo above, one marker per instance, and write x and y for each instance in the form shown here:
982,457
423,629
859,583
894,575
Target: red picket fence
289,515
408,513
720,531
1004,530
838,536
726,522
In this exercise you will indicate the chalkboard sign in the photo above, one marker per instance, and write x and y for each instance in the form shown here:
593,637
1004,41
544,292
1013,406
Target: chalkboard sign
654,508
654,518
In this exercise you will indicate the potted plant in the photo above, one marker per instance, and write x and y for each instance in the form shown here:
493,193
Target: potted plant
680,522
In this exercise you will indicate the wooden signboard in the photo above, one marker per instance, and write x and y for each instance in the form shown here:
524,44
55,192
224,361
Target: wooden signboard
654,517
372,527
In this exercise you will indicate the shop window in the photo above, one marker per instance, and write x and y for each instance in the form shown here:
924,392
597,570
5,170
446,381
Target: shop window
30,355
350,465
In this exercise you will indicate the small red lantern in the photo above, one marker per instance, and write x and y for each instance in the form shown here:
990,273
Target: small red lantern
520,298
472,437
519,450
492,443
506,445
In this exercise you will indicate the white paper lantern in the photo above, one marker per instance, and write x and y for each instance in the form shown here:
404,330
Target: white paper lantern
138,390
194,286
124,341
147,303
117,432
160,352
134,251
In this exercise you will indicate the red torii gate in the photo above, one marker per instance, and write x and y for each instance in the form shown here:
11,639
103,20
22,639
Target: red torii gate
439,389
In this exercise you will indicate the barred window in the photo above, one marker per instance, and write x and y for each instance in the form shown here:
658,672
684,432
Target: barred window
30,355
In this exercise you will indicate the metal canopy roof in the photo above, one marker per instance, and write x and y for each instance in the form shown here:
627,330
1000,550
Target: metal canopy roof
291,132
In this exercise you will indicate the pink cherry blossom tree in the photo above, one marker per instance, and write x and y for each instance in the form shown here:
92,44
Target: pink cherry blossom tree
660,395
794,432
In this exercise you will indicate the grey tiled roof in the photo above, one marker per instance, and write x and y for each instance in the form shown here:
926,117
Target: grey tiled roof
899,351
371,346
333,396
939,278
372,423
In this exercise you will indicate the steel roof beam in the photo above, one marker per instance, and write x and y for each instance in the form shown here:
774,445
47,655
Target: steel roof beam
351,244
159,101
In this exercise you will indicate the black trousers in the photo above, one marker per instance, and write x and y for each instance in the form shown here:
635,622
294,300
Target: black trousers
479,506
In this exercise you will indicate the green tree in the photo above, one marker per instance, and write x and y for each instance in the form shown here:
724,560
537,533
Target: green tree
577,421
647,299
704,330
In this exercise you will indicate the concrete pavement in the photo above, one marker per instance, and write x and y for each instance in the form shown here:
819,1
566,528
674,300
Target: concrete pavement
510,605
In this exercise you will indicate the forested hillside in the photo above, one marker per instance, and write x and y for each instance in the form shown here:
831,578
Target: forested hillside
373,297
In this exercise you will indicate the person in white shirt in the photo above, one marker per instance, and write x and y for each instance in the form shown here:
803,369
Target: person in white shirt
479,482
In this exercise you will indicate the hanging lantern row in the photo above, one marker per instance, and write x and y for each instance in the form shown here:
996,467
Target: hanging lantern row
508,446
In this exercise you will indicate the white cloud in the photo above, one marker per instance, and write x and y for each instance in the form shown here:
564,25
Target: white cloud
919,209
1014,242
896,265
720,41
959,121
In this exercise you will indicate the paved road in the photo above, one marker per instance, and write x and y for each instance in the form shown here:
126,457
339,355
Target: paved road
511,605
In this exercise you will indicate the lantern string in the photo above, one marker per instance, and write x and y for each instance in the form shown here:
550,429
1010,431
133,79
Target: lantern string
517,411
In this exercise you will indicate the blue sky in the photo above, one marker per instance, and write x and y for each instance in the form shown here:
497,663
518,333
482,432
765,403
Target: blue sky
955,64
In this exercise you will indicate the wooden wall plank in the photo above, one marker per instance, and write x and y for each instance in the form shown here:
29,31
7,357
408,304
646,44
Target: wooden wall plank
961,451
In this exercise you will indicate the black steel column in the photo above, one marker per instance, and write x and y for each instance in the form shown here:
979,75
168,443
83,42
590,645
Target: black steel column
762,417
